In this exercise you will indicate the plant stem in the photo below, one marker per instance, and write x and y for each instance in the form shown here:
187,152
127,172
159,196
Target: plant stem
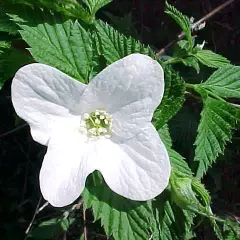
14,130
84,222
34,216
172,61
189,85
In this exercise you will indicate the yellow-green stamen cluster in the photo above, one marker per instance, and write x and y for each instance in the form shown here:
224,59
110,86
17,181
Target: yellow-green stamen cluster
95,124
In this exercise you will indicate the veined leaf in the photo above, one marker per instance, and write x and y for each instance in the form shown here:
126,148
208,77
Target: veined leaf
191,62
211,59
171,222
224,82
214,131
10,61
70,8
63,45
173,97
95,5
115,46
179,165
120,217
182,20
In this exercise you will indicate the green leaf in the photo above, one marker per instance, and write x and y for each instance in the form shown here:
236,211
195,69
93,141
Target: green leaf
182,20
10,61
202,192
224,82
171,222
120,217
182,192
71,8
191,62
190,194
115,46
211,59
173,97
4,45
214,131
51,228
123,24
182,49
95,5
178,164
63,45
6,25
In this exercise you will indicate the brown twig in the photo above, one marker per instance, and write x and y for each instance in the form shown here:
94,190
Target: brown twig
14,130
84,224
34,216
206,17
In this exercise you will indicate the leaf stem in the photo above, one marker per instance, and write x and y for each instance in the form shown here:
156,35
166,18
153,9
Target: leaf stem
189,85
172,61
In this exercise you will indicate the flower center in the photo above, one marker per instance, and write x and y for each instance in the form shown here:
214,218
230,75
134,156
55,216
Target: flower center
96,124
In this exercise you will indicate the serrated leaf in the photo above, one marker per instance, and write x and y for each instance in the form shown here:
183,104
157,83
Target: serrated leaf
71,8
120,217
232,229
171,222
95,5
189,194
201,192
182,49
178,164
191,62
214,131
63,45
211,59
182,20
173,98
115,46
224,82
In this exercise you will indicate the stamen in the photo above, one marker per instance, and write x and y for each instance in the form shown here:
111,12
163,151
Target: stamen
86,116
96,124
97,121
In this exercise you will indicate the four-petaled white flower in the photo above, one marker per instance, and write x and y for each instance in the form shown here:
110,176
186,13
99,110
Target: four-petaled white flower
105,126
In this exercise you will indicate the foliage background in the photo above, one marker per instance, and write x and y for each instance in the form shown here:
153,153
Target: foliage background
20,157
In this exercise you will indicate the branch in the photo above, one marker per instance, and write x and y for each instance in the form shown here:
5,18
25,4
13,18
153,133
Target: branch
34,216
84,222
196,24
14,130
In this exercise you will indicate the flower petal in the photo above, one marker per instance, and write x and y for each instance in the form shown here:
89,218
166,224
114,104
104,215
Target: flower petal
137,168
42,95
130,89
65,167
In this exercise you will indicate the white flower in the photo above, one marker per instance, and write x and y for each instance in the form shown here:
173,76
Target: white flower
123,146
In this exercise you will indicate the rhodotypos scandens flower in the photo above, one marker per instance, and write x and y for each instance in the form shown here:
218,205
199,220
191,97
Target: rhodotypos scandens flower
105,126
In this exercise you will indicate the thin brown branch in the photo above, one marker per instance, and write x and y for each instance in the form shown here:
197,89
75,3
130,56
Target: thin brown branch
34,216
84,222
196,24
14,130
